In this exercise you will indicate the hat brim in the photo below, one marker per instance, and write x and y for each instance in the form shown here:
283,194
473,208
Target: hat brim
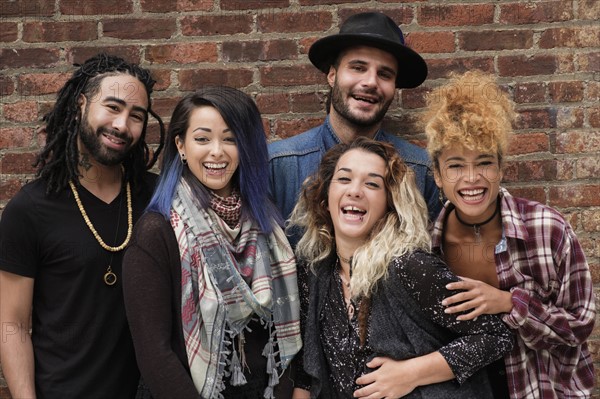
412,68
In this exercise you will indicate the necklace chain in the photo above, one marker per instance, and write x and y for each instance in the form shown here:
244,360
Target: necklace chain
88,222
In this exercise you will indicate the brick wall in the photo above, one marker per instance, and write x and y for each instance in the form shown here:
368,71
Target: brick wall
546,53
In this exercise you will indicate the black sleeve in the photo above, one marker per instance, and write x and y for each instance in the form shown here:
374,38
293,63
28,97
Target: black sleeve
148,292
478,342
301,378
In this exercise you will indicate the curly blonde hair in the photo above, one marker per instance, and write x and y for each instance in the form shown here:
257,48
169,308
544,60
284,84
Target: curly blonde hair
470,110
401,230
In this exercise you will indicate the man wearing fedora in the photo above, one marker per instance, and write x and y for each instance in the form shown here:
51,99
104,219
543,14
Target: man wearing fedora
365,63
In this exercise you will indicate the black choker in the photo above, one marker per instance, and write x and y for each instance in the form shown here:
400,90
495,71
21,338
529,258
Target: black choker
477,226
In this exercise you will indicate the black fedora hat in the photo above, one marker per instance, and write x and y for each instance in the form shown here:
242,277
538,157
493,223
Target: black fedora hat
371,29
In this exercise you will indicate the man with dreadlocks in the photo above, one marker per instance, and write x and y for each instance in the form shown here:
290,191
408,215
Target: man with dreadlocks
62,239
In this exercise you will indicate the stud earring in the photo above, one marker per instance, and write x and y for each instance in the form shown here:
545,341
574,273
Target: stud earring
183,160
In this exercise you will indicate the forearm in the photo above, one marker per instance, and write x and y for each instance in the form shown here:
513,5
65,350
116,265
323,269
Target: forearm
430,369
16,357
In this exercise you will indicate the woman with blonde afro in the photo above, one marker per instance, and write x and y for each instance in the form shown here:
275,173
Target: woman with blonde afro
517,258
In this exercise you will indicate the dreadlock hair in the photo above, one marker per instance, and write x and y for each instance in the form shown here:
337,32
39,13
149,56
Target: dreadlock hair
58,160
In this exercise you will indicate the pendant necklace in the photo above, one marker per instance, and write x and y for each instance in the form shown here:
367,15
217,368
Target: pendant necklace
110,278
477,226
350,305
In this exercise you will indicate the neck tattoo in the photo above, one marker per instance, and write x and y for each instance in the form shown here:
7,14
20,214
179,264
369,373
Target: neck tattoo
477,226
110,278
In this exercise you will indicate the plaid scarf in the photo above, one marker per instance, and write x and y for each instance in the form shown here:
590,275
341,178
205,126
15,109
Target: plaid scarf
216,301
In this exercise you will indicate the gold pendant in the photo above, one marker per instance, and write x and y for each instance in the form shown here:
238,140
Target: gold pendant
109,277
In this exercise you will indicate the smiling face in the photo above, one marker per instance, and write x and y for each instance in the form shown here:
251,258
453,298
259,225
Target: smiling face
363,85
113,119
210,149
470,180
357,195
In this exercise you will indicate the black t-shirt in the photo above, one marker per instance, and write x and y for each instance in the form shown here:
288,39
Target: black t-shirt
82,345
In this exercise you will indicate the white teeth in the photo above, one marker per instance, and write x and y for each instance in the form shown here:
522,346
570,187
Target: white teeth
114,139
364,99
353,209
215,165
472,192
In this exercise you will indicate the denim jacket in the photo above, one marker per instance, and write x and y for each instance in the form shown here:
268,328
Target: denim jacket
292,160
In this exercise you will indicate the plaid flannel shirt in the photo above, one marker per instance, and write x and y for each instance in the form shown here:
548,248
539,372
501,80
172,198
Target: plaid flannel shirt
541,262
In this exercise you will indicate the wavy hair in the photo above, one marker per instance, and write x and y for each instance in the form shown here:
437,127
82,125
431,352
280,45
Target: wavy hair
470,110
58,160
251,177
401,230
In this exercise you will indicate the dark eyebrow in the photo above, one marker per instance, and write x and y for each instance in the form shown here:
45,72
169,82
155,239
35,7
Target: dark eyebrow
124,103
205,129
370,174
461,159
384,68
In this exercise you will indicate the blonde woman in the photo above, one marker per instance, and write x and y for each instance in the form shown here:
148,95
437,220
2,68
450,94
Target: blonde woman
372,291
525,263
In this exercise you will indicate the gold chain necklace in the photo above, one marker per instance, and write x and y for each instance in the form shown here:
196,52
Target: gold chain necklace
110,278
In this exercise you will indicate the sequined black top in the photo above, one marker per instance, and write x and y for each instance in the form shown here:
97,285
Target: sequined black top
406,320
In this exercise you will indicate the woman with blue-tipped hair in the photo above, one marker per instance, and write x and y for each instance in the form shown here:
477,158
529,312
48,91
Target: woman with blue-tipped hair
209,277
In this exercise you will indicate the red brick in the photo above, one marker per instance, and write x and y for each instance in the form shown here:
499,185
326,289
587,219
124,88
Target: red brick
565,169
78,55
294,21
8,189
22,111
588,167
290,75
264,50
183,53
32,84
16,137
44,108
216,25
18,163
77,31
9,32
536,170
578,142
197,78
305,43
570,37
590,220
536,193
139,28
165,6
164,106
534,13
495,40
456,15
594,117
431,42
273,103
529,92
441,67
590,62
527,143
402,15
308,102
521,65
253,4
29,57
575,195
589,9
570,118
543,118
593,91
153,132
106,7
285,128
162,77
7,87
26,8
414,98
327,2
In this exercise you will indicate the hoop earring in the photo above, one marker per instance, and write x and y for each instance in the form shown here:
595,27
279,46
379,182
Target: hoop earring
183,160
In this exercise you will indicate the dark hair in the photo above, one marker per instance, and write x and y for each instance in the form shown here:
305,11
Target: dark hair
251,178
57,162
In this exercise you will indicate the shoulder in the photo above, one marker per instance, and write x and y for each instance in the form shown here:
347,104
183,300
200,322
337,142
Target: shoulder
410,153
532,216
28,197
301,144
152,223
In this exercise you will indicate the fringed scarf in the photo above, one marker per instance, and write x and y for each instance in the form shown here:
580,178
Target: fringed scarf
217,303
